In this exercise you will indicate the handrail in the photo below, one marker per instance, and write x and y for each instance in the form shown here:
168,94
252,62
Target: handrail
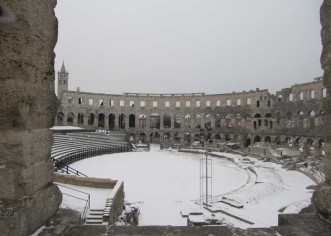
88,201
68,168
88,152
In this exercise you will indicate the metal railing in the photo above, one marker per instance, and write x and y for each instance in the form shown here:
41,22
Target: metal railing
67,169
88,152
88,200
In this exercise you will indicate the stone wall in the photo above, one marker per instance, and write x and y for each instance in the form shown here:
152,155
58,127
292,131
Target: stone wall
85,181
251,115
27,106
322,195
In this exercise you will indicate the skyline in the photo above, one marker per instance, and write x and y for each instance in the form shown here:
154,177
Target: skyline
188,46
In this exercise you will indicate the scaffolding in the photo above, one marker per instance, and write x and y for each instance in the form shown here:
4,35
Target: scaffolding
206,180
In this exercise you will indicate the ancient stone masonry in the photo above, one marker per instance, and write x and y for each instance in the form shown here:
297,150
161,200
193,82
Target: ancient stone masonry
322,196
293,114
27,107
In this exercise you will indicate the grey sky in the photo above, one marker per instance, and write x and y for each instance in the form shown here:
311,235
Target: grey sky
172,46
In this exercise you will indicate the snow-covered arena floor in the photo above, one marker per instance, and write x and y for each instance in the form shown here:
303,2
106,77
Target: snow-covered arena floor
164,183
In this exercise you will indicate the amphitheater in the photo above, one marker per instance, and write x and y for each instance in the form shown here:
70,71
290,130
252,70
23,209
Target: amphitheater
296,118
293,114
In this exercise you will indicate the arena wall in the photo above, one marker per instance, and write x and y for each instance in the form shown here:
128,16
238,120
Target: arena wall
293,115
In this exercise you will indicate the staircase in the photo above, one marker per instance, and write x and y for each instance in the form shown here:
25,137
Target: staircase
95,217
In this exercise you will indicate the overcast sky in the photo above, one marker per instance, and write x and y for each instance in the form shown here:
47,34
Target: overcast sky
174,46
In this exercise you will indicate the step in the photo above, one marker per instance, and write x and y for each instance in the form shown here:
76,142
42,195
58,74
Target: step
90,221
89,217
95,212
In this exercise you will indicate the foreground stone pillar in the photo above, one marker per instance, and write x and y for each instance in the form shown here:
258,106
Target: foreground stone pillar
28,106
322,195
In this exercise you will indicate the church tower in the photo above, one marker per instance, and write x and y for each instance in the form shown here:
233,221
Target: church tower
62,81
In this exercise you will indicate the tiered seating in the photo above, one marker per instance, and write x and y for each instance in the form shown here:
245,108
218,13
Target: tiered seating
71,147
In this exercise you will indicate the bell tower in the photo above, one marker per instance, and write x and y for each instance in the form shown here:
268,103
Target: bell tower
62,81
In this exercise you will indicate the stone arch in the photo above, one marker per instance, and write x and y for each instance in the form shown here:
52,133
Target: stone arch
91,119
227,137
167,135
228,118
70,118
238,119
154,137
132,121
278,117
111,121
132,137
121,121
247,141
218,121
60,118
142,138
277,140
257,120
187,138
197,121
196,137
312,116
289,120
301,116
178,120
101,120
177,137
208,119
321,142
154,121
142,121
267,139
248,119
321,115
166,121
187,121
257,139
80,119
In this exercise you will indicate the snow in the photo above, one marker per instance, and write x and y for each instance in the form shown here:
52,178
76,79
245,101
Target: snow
166,183
64,127
77,200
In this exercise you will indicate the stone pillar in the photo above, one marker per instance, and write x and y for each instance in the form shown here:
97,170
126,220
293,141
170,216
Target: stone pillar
85,120
65,122
127,119
202,122
213,123
322,195
28,106
117,117
75,123
172,121
137,122
161,122
106,122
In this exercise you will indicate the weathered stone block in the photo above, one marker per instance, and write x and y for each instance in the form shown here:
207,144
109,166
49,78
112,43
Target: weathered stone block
23,147
322,199
36,176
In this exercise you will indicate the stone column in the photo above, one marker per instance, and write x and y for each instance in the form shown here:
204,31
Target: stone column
172,121
75,123
106,122
161,121
322,195
85,120
117,117
28,105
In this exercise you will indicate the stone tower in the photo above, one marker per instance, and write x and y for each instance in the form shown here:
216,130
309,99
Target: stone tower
62,84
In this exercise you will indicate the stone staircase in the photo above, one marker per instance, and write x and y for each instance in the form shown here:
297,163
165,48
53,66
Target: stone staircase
95,217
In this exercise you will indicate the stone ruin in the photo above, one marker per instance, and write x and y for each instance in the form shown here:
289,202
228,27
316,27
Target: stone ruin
28,34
